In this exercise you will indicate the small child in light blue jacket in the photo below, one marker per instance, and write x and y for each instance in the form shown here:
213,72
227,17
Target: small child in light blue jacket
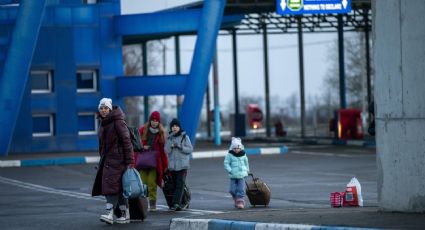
236,164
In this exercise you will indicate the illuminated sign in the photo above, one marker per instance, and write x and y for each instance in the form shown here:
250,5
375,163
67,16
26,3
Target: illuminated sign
313,6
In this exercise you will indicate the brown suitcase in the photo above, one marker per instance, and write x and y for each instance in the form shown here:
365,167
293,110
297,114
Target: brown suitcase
138,208
257,191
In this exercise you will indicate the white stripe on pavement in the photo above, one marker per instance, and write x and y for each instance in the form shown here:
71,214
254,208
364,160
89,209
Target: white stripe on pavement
190,210
85,196
44,189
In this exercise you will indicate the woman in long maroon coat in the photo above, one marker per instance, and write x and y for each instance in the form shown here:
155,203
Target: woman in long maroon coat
116,154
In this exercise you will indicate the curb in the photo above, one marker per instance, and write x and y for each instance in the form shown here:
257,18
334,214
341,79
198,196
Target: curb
212,224
49,162
253,151
361,143
93,160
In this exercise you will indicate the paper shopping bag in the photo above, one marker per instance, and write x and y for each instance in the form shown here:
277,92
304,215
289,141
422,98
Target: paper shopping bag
353,194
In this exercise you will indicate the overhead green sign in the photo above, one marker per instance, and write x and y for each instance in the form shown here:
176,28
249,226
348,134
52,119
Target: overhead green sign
313,6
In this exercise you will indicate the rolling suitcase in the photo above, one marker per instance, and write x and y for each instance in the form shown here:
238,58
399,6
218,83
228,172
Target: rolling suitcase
168,191
138,208
257,191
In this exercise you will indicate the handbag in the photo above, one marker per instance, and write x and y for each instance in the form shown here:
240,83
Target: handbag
146,159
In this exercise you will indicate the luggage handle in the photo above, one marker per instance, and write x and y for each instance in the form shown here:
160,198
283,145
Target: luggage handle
253,179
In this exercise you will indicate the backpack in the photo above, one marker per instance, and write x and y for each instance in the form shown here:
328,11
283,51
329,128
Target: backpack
132,184
135,138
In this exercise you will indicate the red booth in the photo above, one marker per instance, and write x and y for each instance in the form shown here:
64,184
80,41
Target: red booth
255,116
350,124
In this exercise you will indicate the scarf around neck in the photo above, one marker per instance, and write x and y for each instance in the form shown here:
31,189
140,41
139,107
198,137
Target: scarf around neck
153,130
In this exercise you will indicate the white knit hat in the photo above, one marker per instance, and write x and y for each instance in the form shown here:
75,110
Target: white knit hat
105,102
236,143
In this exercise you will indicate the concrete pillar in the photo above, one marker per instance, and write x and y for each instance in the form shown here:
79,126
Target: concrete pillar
399,55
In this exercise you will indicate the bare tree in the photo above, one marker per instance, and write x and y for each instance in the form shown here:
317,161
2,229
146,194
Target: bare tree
133,66
355,74
292,102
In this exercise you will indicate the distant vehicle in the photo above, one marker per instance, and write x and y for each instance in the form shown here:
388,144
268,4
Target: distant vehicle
255,116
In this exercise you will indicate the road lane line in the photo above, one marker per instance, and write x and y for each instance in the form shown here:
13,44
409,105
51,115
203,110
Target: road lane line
85,196
44,189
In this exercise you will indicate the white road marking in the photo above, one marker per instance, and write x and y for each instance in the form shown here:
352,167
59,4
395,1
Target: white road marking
85,196
44,189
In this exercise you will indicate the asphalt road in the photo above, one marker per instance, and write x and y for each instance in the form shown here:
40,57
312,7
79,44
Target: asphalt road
57,197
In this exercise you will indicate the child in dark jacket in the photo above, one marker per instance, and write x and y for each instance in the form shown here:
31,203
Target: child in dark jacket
236,164
178,148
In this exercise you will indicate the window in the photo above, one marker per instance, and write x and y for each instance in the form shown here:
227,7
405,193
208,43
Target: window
41,81
86,81
87,124
42,125
89,1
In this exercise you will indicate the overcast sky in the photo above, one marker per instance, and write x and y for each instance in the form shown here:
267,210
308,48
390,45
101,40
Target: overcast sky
283,58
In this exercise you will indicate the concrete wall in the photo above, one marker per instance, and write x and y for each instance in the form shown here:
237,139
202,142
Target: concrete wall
399,55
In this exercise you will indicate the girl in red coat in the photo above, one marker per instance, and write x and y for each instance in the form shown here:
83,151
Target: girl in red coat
153,137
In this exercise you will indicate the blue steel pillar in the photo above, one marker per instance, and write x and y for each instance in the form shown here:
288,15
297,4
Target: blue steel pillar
217,120
16,67
210,21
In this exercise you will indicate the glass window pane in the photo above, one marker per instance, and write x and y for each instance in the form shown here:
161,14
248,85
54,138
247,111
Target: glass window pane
42,125
41,81
86,123
86,81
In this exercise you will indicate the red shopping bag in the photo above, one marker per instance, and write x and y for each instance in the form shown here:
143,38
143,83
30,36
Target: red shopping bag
353,194
351,198
336,199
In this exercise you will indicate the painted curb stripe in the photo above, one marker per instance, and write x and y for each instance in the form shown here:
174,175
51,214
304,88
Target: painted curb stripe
95,159
90,160
209,154
53,161
253,151
188,224
14,163
195,155
217,224
229,224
